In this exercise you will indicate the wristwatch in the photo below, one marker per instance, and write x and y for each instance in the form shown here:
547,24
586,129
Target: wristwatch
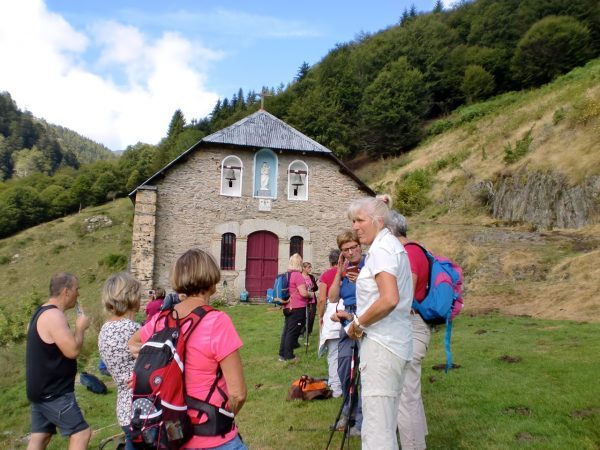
357,323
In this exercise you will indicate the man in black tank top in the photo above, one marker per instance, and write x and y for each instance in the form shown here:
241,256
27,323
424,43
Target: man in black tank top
51,366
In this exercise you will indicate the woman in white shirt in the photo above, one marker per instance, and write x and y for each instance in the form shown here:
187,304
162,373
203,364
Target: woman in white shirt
384,294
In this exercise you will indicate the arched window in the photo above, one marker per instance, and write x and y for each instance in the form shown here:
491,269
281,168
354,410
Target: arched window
231,176
228,251
296,245
298,181
265,174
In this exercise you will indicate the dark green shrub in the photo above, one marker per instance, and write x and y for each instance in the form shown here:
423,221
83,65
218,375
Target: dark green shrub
114,261
521,148
411,192
440,126
58,248
558,116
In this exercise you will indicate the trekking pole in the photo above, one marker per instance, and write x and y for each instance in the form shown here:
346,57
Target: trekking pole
352,391
306,332
337,418
351,388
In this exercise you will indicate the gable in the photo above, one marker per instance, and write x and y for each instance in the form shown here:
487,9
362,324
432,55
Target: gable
255,132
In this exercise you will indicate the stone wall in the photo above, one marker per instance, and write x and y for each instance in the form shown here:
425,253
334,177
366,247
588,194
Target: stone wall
143,239
191,212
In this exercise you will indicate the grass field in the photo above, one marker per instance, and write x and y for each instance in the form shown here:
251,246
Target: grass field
523,383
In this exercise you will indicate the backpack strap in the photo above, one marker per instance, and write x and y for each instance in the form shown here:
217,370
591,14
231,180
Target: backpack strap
219,420
429,262
447,344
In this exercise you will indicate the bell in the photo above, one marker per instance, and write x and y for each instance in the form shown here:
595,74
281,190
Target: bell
296,181
230,176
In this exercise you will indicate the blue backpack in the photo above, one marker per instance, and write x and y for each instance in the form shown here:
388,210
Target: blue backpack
281,289
443,298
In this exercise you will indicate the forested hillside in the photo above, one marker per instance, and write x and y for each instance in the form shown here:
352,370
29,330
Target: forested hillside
377,93
377,96
29,145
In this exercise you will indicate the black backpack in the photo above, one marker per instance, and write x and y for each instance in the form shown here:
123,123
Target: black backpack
92,383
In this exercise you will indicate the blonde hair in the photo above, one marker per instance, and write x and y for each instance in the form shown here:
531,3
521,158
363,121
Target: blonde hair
194,272
295,262
374,207
121,293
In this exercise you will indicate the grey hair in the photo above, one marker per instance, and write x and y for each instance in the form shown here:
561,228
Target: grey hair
334,256
376,208
61,280
396,223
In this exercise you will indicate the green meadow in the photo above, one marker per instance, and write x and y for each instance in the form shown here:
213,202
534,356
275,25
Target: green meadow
522,383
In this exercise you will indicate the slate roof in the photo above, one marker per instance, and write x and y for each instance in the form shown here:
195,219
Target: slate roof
259,130
262,129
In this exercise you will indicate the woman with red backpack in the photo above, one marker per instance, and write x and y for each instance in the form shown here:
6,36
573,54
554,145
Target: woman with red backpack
214,380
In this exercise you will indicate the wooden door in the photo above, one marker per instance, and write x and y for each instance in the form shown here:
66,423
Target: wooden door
261,262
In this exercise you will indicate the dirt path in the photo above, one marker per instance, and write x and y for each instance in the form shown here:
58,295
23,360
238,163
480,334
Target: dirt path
548,274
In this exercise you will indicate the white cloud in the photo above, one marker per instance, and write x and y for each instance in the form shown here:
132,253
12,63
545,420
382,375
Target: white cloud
227,22
127,94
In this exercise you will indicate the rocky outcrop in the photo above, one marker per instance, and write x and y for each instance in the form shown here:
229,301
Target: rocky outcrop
545,199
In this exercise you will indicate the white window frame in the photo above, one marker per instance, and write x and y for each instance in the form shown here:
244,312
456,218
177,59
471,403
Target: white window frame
232,161
303,168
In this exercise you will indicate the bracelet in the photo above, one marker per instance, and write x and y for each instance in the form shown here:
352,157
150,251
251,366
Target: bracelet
357,323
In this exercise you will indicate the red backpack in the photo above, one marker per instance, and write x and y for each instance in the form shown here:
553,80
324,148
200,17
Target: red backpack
159,406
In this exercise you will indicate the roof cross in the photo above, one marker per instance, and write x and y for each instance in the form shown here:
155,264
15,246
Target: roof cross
263,94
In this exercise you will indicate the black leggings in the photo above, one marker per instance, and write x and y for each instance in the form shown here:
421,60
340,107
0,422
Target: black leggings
295,320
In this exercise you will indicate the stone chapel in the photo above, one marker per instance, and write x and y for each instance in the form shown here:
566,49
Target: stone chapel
251,194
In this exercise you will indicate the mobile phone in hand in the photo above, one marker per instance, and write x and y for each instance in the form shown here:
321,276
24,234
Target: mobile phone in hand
78,308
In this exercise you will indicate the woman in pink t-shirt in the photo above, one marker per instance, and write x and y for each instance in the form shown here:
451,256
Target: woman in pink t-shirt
212,344
295,310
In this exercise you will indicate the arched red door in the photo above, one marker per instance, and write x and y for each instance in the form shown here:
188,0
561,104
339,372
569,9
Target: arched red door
261,262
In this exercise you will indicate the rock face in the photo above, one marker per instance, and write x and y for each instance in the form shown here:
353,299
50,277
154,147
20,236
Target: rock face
95,222
546,199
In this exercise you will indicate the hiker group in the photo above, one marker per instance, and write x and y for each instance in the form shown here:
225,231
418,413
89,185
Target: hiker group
157,406
375,312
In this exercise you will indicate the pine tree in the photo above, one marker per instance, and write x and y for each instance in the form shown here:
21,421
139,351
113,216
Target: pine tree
302,71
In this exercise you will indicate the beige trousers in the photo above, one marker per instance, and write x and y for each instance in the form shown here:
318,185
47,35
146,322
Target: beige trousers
412,423
381,376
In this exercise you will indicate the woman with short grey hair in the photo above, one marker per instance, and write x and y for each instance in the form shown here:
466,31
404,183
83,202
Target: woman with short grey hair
412,422
384,297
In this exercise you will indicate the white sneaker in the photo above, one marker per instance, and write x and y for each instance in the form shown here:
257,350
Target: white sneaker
354,432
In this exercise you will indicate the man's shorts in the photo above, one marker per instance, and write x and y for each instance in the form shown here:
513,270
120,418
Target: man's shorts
62,412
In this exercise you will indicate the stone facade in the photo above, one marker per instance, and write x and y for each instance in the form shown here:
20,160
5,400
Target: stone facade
142,244
187,210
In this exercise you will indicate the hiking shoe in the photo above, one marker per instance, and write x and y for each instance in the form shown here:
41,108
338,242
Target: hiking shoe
354,432
340,424
291,360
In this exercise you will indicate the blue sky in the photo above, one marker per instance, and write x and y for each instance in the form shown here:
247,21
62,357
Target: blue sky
116,70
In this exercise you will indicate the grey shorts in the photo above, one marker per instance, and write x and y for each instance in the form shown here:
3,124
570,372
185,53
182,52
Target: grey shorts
62,412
